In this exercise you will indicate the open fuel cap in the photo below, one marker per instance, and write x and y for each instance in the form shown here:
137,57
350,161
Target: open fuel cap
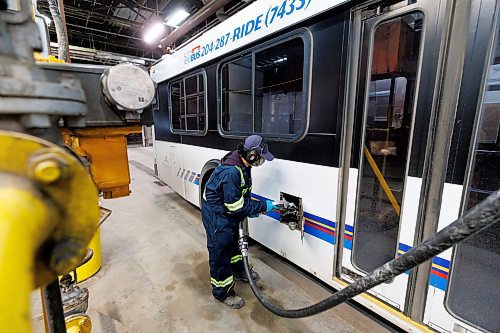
129,88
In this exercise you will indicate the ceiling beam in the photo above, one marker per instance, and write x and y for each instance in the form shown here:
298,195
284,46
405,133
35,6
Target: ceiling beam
106,17
102,31
102,40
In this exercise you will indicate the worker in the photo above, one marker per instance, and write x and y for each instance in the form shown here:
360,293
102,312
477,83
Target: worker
226,202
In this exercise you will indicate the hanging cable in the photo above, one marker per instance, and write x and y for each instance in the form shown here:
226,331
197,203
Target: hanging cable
478,218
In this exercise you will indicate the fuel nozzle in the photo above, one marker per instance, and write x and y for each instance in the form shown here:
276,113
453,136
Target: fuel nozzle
281,204
242,241
286,207
290,212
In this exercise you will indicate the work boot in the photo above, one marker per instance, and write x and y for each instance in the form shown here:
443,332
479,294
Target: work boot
243,276
233,300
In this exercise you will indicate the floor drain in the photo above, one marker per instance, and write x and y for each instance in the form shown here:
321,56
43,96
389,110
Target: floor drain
142,167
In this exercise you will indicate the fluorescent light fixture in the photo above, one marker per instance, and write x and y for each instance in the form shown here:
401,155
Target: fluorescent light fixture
154,33
177,18
280,60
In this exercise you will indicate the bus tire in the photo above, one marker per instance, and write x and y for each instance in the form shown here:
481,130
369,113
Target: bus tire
206,172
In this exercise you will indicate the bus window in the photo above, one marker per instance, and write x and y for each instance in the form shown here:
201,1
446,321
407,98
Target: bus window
177,105
188,104
473,294
266,91
237,95
384,155
280,98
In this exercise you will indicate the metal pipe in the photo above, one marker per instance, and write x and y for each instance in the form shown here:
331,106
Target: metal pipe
201,15
53,312
60,25
26,220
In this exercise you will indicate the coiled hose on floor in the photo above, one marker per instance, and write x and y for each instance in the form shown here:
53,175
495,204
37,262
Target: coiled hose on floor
478,218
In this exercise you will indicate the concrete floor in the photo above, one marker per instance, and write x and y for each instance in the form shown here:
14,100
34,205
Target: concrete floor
155,277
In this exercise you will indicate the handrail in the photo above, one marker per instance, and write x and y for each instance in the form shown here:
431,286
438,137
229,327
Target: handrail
382,181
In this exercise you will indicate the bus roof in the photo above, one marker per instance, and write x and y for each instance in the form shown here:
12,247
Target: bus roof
254,22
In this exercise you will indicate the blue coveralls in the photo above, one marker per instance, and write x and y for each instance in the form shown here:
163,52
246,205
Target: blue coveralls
226,202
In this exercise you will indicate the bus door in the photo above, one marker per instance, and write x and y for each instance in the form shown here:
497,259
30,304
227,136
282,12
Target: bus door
393,67
464,293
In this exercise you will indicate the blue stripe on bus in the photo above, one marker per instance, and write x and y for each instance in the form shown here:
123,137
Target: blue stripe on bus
319,234
436,277
274,215
347,244
441,262
319,219
404,247
438,282
189,176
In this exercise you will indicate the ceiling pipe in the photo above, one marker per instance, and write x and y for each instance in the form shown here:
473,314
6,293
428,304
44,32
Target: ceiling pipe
210,8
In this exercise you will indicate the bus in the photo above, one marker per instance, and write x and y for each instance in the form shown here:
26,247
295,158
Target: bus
384,120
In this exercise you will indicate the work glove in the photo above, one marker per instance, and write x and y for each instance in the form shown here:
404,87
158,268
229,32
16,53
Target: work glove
270,206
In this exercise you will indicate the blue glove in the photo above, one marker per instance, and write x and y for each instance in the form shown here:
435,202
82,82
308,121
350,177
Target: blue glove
270,206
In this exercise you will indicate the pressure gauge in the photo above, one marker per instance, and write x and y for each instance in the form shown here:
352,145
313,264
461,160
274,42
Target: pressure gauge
129,88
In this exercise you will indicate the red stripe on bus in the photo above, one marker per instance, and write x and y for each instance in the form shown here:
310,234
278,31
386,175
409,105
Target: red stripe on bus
440,274
319,228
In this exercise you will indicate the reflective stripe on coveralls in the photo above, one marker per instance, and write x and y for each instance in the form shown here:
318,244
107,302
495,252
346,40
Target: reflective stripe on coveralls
238,204
224,283
236,258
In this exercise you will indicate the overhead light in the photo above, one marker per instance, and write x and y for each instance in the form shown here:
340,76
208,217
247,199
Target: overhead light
280,60
177,18
154,33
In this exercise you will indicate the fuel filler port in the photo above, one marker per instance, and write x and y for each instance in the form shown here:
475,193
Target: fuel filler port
291,212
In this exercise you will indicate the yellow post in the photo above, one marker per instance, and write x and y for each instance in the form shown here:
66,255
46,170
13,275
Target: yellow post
382,181
26,220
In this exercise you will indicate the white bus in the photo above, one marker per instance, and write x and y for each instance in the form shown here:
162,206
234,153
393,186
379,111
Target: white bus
347,94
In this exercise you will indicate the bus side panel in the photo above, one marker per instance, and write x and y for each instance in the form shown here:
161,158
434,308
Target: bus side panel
314,251
168,154
317,187
436,315
194,158
394,290
170,166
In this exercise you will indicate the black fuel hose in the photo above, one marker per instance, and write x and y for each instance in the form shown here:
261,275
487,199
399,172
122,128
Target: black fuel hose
478,218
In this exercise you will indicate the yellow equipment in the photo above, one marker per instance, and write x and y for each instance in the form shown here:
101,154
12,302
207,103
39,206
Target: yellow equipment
49,209
49,214
105,149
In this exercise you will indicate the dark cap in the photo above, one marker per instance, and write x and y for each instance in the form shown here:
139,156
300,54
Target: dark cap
256,142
